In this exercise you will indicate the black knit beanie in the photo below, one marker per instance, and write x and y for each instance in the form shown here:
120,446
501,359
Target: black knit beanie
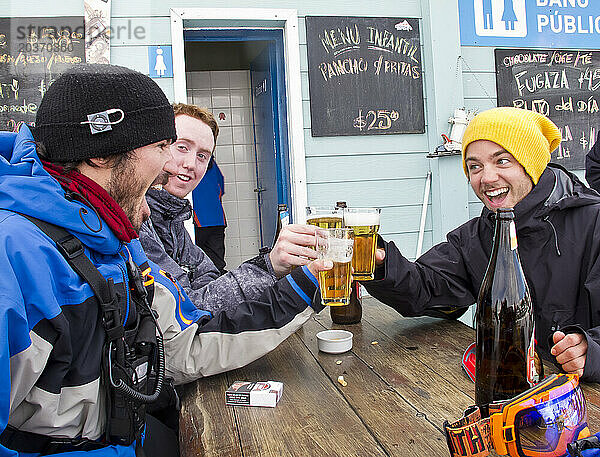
95,110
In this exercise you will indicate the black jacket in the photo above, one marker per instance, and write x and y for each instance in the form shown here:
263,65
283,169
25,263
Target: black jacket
592,165
558,231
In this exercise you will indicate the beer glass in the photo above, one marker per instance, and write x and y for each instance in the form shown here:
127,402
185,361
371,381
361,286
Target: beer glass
335,244
365,223
324,216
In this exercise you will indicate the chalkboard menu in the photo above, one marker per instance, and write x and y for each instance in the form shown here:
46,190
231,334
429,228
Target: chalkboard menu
365,75
561,84
33,51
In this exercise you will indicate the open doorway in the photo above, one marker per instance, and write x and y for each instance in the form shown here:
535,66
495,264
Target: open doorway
237,76
243,26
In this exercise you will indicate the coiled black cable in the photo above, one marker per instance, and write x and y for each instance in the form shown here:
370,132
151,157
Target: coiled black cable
129,391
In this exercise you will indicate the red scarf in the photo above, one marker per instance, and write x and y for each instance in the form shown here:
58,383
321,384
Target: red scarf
92,193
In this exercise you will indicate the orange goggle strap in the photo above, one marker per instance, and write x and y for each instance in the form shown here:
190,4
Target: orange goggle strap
470,435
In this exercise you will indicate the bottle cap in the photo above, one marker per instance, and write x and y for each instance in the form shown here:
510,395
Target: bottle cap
505,213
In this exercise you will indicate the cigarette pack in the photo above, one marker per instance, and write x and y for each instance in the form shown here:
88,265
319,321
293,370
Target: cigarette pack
246,393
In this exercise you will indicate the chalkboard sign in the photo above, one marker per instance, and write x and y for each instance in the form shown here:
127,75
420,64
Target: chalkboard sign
561,84
365,75
33,51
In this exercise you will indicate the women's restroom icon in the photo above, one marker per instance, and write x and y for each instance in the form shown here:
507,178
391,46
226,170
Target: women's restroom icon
508,15
160,62
159,66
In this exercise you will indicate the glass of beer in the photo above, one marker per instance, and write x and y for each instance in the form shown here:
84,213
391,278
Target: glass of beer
324,216
335,244
365,223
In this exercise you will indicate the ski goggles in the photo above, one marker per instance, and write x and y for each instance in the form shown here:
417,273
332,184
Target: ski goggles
540,422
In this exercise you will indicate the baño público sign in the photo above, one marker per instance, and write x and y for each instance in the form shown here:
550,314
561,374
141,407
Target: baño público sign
565,24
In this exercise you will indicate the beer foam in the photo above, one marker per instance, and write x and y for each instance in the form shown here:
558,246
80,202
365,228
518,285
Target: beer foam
360,219
340,250
340,258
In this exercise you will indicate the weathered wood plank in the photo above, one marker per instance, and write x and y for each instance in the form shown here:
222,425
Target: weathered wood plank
421,386
401,365
437,343
206,426
399,392
381,407
311,418
441,345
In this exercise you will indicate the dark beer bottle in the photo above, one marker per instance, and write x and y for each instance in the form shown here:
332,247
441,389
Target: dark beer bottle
352,312
505,347
283,218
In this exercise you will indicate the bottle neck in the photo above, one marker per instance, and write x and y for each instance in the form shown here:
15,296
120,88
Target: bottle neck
504,276
505,236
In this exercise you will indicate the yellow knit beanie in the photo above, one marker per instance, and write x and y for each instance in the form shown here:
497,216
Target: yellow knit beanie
530,137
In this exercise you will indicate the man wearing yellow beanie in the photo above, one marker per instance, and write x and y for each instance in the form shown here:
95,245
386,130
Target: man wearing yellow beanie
506,154
530,138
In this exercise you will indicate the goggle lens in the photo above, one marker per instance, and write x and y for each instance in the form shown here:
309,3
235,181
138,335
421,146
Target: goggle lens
544,430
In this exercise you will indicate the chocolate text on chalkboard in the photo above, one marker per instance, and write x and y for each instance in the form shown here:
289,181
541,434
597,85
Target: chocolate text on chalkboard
560,84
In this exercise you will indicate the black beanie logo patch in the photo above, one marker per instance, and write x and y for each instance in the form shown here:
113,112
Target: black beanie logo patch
100,122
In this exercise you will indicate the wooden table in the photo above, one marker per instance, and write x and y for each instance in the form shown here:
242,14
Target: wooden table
404,379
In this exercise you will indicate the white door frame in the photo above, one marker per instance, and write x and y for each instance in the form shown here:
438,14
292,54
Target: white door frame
254,18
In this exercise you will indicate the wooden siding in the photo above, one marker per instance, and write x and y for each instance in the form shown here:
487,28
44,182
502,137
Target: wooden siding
385,170
479,77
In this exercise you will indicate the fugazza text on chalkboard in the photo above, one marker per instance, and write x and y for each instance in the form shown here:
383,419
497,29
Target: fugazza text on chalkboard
560,84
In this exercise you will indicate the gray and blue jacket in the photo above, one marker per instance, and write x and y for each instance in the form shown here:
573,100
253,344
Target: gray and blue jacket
168,244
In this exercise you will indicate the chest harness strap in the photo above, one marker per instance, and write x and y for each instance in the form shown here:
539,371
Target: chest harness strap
130,357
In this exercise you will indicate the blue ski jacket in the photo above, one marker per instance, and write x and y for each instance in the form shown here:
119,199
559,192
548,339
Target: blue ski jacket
51,336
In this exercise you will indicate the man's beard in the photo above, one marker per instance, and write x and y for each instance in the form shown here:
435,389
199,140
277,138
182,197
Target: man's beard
128,191
162,179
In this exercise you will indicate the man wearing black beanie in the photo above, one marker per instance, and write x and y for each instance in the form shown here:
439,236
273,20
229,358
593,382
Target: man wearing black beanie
94,334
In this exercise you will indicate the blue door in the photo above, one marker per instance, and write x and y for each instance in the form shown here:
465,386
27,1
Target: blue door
270,119
269,167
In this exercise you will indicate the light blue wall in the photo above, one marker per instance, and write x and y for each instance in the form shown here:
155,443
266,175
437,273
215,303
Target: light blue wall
387,171
479,88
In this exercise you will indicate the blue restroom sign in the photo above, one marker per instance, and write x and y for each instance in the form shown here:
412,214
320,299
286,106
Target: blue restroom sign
566,24
160,62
